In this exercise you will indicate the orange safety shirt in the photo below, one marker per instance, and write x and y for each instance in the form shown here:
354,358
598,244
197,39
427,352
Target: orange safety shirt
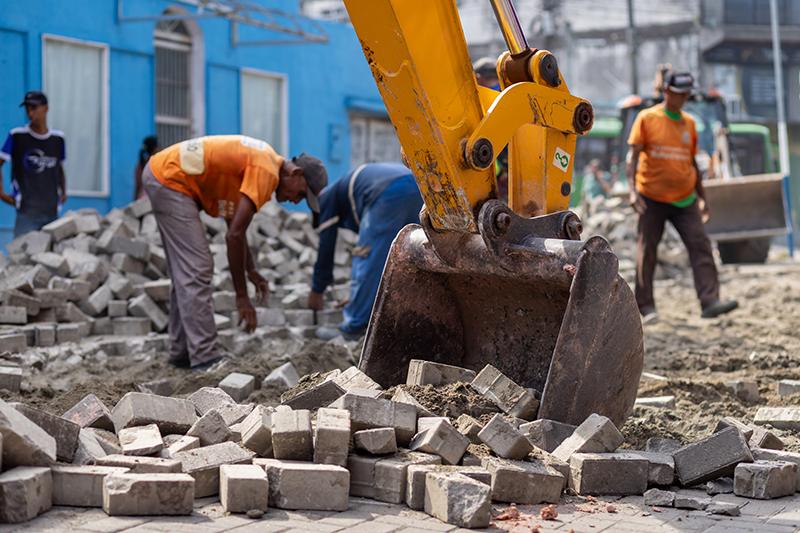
215,170
665,172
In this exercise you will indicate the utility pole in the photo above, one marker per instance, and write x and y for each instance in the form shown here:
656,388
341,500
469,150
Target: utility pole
783,136
634,50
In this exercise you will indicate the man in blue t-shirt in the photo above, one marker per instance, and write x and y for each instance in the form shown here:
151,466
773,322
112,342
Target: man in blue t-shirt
376,200
37,154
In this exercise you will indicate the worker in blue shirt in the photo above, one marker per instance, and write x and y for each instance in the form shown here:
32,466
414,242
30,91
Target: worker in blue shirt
376,200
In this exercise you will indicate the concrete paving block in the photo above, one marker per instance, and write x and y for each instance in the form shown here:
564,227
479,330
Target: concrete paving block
141,440
724,508
778,417
224,301
403,396
12,342
745,390
391,474
723,485
207,398
429,373
51,297
210,429
694,503
90,412
10,378
243,488
309,486
441,439
90,448
45,334
238,386
415,480
161,387
608,473
68,333
510,397
285,375
148,494
257,431
131,326
61,228
117,308
714,456
660,402
458,500
426,422
63,431
729,421
203,464
13,315
97,301
30,243
139,208
107,439
235,413
787,387
523,482
144,307
15,298
142,465
183,444
25,493
355,378
291,435
87,223
81,486
662,467
120,286
765,480
764,438
596,434
321,395
659,498
332,437
504,440
764,454
138,250
662,445
469,427
368,413
158,290
77,290
547,434
54,262
362,474
376,441
171,415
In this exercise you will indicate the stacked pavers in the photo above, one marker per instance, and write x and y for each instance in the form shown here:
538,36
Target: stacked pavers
89,275
153,454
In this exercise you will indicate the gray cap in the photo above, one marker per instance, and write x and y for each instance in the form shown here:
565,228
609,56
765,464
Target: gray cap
679,81
316,178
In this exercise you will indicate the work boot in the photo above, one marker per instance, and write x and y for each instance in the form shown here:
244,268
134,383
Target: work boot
719,308
327,333
649,317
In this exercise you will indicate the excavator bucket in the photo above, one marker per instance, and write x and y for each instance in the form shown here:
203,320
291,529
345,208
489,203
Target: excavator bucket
549,312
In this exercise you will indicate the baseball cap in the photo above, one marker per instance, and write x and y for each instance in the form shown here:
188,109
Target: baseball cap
485,67
679,81
316,178
34,97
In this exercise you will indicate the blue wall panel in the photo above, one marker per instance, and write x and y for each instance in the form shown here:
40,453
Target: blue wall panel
222,100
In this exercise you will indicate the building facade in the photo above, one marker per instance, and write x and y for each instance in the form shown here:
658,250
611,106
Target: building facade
117,71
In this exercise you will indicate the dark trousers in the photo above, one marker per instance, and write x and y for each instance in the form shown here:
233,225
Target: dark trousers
688,222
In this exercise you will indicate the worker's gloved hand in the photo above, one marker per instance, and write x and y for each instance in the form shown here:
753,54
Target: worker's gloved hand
247,313
262,286
315,300
637,202
705,212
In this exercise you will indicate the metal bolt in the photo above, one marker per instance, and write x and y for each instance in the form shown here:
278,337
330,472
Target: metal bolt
502,222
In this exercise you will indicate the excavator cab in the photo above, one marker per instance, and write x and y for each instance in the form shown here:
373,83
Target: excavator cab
481,282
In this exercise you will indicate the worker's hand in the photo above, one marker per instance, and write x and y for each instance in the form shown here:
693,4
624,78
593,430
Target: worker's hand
342,303
637,202
262,286
705,212
247,313
7,198
63,197
315,300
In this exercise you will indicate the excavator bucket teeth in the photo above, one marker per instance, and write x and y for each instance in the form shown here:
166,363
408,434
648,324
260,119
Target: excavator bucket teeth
551,314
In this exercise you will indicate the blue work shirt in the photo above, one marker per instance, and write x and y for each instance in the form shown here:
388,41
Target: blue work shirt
343,203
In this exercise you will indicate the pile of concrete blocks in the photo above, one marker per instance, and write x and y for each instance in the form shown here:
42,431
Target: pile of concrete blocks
89,275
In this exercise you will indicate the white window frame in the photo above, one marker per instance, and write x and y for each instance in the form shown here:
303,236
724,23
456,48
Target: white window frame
105,144
284,78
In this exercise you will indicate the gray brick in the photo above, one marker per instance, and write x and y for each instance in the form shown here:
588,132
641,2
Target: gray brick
126,263
203,464
298,485
45,334
97,302
30,243
763,454
142,465
13,342
779,417
391,474
714,456
662,467
224,301
523,482
210,429
429,373
353,378
368,413
376,441
243,488
148,494
765,480
144,307
415,480
81,486
597,434
140,440
131,326
458,500
285,375
291,435
13,315
50,297
139,208
158,290
547,434
54,262
10,378
362,475
25,493
238,386
332,436
170,414
15,298
61,228
63,431
504,439
68,333
659,498
608,473
443,440
510,397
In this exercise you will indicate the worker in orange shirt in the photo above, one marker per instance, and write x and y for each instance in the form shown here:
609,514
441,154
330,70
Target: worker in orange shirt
228,176
666,184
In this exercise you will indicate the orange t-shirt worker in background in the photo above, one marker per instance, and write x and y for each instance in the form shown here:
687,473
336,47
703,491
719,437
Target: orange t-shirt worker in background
227,176
666,184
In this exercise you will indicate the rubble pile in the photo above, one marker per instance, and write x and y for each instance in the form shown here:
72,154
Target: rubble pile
86,275
344,435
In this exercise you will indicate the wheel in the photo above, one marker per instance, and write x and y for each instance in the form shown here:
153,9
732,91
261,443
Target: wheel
746,251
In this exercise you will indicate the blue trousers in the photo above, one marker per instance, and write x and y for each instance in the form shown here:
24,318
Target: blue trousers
26,223
398,206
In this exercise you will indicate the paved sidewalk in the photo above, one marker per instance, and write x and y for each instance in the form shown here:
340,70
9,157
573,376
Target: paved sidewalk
629,514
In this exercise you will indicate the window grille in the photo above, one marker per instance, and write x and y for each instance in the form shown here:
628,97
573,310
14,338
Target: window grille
173,107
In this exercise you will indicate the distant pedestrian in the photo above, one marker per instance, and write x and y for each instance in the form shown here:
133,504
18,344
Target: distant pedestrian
149,147
37,154
666,185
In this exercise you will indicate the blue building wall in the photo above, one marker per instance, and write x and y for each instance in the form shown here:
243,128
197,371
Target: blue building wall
321,79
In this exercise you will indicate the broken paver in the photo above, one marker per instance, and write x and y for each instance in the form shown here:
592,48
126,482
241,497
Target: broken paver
368,413
429,373
523,482
765,480
458,500
210,429
90,412
510,397
141,440
291,435
171,415
243,488
300,485
148,494
443,440
376,441
547,434
596,434
714,456
332,436
504,439
203,464
25,493
81,486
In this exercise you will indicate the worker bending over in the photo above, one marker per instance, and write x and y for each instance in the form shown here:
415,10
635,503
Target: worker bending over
228,176
666,184
376,200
